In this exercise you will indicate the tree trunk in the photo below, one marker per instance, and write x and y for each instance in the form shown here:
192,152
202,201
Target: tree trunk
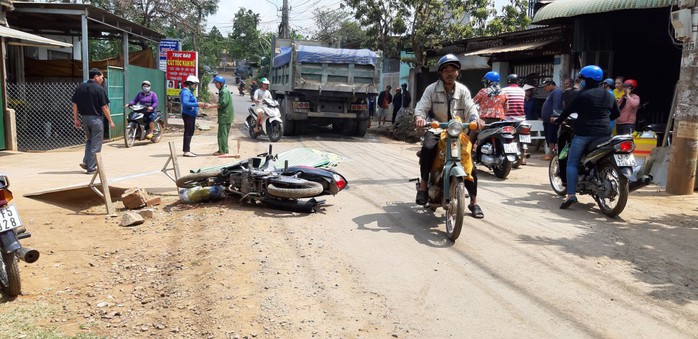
684,149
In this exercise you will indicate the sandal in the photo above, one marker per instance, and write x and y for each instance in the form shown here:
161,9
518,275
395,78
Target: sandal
476,211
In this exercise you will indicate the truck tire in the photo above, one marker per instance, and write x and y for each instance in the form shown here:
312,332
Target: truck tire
348,127
361,127
288,124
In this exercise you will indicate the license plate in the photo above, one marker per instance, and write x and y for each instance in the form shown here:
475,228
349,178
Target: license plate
9,218
624,160
510,148
525,138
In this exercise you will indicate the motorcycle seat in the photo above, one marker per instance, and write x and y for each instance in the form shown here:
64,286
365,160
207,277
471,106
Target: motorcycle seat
498,124
603,142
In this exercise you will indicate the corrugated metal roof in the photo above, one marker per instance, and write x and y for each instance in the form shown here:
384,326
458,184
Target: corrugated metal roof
572,8
510,48
28,39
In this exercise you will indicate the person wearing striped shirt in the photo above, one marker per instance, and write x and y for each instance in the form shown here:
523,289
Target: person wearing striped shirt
515,99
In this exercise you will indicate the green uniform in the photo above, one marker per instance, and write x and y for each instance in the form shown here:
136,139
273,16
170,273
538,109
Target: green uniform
225,118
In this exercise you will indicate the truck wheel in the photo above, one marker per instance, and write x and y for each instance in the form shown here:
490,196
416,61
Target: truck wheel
288,124
299,127
348,127
362,127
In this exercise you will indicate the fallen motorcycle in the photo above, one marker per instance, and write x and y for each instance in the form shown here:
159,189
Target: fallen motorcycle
11,231
259,180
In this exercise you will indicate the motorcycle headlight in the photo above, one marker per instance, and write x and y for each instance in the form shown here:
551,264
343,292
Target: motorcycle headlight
454,129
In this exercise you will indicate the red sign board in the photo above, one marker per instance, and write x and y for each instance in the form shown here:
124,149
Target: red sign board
180,65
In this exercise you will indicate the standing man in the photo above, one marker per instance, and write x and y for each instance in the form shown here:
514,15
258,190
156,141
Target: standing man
225,114
515,99
190,110
371,107
384,100
397,103
91,101
406,97
552,104
445,98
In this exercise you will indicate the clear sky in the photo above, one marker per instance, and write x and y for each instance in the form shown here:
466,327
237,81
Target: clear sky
301,13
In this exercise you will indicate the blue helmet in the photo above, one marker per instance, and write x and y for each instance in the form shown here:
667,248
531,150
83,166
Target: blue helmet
448,59
491,76
592,72
219,78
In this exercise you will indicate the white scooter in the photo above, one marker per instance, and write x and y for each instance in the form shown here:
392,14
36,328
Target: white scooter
271,120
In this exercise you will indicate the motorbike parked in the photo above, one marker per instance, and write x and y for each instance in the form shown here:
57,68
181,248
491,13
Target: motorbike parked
271,120
259,180
496,147
605,171
446,187
11,231
522,137
137,129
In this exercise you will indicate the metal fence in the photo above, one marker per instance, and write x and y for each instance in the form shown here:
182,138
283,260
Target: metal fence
44,115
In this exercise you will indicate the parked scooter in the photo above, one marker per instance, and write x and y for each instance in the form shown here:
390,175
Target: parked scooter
522,136
259,180
446,187
11,231
271,120
137,129
496,147
605,171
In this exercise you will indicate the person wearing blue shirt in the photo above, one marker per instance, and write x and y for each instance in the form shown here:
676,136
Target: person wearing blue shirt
553,103
190,110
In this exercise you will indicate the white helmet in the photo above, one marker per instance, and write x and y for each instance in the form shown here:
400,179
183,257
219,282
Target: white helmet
192,79
145,82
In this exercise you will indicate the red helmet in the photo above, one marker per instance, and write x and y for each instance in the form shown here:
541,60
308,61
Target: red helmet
630,83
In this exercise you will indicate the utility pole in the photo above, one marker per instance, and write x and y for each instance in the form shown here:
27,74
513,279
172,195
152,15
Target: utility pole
285,30
683,158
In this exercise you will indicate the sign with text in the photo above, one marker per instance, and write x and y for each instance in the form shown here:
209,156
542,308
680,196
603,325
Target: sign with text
167,45
180,65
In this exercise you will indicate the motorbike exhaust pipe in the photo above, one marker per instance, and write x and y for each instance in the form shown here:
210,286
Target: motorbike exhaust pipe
28,255
640,183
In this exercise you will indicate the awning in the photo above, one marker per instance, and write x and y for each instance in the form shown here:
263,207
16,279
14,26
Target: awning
571,8
511,48
27,39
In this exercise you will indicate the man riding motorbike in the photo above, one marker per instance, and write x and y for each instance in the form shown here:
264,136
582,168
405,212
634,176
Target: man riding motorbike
445,98
595,107
148,99
259,95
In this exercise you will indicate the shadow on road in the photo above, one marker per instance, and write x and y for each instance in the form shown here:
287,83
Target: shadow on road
407,218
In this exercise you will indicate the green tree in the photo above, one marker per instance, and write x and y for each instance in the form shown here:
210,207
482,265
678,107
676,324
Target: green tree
245,37
212,45
513,17
384,22
335,27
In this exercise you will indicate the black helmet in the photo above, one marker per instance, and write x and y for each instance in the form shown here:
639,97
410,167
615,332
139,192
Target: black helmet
513,79
448,59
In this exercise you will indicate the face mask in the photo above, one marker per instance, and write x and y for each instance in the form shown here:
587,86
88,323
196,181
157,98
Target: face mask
582,84
146,89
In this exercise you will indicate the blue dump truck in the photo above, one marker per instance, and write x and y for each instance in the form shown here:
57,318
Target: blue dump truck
325,86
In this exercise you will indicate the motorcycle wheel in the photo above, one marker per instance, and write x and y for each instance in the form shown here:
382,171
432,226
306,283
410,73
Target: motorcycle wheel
130,137
517,162
157,133
502,171
456,208
298,190
9,275
612,179
202,179
250,129
276,130
554,176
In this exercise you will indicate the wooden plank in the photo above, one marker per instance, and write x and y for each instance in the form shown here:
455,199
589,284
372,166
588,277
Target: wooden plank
86,185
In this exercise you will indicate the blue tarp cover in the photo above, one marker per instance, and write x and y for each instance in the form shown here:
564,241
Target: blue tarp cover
327,55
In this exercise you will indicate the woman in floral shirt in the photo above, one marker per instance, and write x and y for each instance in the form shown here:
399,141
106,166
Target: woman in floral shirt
491,99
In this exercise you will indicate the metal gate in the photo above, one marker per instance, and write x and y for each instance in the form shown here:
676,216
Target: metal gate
115,93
